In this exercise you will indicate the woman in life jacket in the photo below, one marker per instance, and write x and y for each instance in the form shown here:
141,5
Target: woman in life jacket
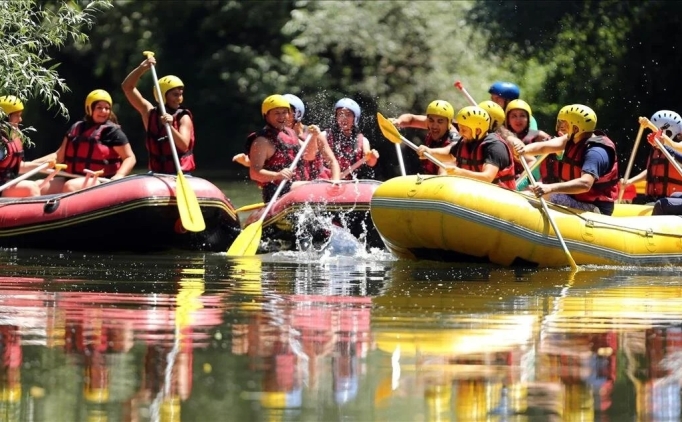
481,154
325,165
502,93
94,143
273,149
12,150
179,119
348,144
588,168
438,123
517,120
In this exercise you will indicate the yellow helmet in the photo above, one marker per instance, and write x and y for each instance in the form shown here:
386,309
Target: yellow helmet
93,97
581,116
272,102
474,117
11,104
167,83
495,112
518,105
441,108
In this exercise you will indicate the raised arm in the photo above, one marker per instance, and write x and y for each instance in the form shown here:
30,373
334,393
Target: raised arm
133,95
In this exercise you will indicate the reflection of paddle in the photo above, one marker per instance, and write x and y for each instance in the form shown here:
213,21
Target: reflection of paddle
248,240
630,163
545,208
391,133
188,205
643,121
25,176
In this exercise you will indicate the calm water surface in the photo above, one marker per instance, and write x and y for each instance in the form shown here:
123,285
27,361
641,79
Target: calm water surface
312,337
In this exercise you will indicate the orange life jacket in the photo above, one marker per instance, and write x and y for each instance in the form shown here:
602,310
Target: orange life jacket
427,166
662,180
11,156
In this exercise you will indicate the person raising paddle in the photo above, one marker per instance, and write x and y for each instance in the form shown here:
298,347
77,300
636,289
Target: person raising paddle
273,149
179,118
438,123
482,155
12,151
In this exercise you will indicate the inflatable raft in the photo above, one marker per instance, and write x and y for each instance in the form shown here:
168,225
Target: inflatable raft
452,218
306,213
137,213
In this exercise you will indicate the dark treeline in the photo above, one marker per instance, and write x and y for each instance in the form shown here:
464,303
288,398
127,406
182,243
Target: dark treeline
620,58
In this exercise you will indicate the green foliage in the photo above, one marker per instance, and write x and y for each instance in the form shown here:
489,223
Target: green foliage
29,33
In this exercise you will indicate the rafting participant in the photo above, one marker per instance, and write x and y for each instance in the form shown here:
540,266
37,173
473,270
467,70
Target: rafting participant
348,144
325,165
12,151
504,92
588,168
662,180
482,155
273,149
438,123
179,119
94,143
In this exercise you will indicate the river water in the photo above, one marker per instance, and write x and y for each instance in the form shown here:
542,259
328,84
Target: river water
317,337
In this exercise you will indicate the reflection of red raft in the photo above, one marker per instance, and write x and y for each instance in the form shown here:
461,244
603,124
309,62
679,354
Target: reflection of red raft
137,213
346,203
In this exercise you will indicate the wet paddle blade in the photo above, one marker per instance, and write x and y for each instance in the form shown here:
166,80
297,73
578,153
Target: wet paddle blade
388,129
246,244
190,213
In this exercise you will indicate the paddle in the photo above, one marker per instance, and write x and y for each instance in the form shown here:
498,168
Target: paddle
545,208
630,163
646,122
353,167
391,133
25,176
250,207
53,173
188,205
248,240
459,86
401,163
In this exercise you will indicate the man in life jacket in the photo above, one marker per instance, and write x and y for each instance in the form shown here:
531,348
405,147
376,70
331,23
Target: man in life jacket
588,169
480,155
504,92
662,180
324,156
438,123
12,150
179,119
273,149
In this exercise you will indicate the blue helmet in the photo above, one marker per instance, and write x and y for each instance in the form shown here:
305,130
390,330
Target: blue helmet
297,105
506,90
350,105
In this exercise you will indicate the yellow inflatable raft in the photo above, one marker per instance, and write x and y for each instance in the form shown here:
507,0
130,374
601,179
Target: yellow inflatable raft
452,218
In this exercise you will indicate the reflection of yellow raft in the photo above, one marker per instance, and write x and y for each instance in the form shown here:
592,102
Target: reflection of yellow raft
454,218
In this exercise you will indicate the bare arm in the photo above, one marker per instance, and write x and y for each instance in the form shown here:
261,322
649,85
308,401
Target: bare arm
641,176
128,156
183,136
330,158
370,154
261,150
417,121
133,95
487,173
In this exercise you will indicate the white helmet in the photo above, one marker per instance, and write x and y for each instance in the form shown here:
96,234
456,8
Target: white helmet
350,105
297,105
668,121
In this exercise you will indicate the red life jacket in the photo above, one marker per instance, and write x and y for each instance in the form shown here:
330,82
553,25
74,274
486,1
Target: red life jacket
12,154
570,167
427,166
286,145
347,149
85,151
159,149
470,156
549,171
662,179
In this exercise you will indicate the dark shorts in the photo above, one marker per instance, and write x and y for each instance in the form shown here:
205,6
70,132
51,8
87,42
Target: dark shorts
671,205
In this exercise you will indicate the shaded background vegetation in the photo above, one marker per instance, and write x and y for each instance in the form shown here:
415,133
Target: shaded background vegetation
621,58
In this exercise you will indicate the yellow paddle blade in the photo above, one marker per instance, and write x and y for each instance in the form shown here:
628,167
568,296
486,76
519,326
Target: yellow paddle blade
246,244
388,129
190,213
250,207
